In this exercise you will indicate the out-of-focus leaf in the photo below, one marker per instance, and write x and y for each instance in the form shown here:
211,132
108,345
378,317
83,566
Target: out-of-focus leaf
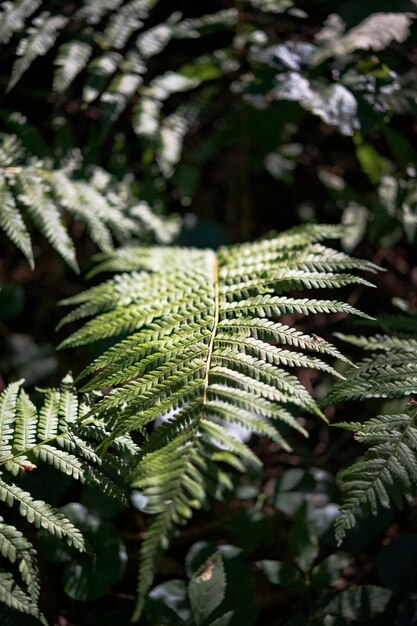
356,217
173,594
224,620
328,570
85,580
303,541
372,163
283,574
239,598
291,490
360,604
334,104
252,527
376,32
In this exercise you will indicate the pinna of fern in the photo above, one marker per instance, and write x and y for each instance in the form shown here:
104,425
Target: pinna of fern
198,339
387,472
54,435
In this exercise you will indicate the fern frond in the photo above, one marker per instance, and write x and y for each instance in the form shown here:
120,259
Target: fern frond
386,473
192,329
40,38
112,42
13,16
388,374
11,221
14,597
71,60
42,515
32,191
386,343
17,549
30,437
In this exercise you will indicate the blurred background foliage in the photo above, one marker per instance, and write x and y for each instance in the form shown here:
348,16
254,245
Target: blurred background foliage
208,123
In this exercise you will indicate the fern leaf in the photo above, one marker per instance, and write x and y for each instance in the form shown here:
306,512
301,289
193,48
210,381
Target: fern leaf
13,16
378,342
40,38
94,10
25,424
42,515
120,91
128,20
386,473
17,549
48,436
395,372
14,597
33,191
11,221
46,216
191,329
7,417
71,60
99,71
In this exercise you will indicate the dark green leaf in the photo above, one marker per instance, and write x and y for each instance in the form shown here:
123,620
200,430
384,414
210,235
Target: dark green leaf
207,589
360,604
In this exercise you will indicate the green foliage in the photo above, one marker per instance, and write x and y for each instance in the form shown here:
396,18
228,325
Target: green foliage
387,472
84,579
106,53
51,436
199,602
117,115
198,351
206,589
34,188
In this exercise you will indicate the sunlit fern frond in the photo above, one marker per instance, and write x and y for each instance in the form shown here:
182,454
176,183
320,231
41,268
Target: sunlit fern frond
29,438
33,192
199,341
388,470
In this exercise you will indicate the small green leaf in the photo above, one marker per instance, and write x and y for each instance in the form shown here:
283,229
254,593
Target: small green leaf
207,589
328,570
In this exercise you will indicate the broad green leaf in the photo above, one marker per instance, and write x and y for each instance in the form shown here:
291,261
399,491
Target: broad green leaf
207,589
